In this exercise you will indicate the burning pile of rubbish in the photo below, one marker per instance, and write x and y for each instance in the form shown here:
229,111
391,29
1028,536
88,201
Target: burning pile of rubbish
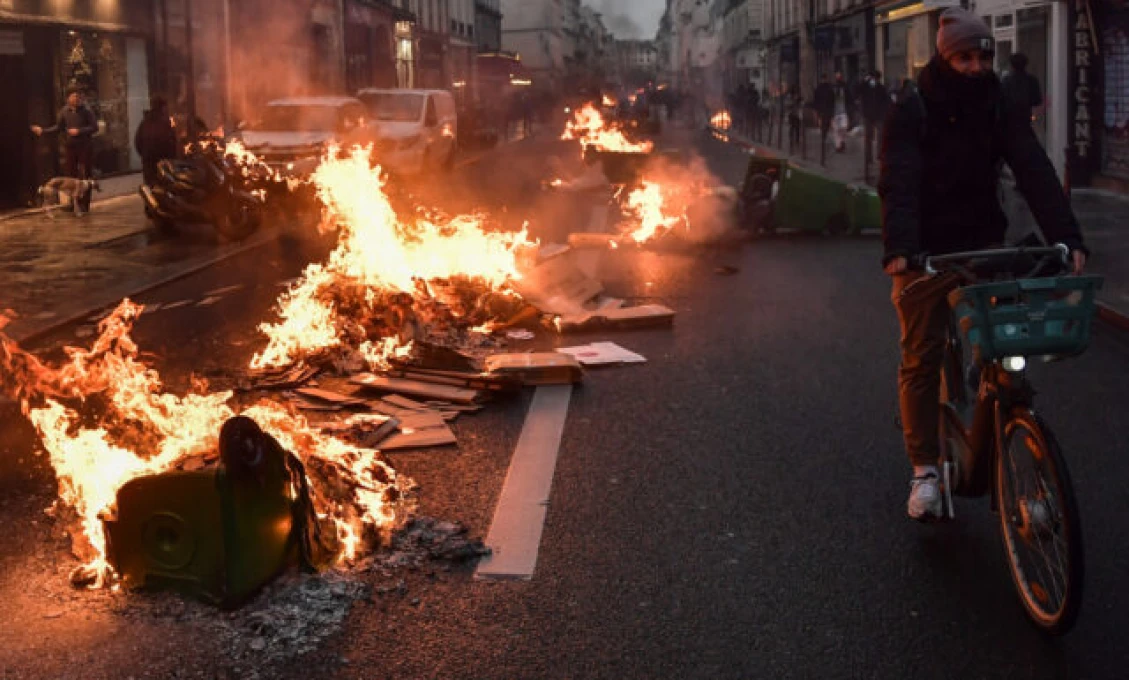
657,194
375,349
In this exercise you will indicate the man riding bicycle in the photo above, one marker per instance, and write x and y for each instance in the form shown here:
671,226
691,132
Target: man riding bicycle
942,147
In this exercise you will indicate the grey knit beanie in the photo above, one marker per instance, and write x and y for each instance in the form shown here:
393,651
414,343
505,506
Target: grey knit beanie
962,30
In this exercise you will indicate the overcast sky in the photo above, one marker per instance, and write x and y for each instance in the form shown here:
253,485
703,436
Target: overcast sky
630,18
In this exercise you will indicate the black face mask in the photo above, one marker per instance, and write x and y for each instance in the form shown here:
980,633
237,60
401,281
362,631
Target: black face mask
968,87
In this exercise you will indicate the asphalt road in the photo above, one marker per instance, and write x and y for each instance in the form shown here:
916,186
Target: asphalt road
734,508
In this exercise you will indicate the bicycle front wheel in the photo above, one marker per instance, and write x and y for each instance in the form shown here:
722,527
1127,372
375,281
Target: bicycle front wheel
1039,523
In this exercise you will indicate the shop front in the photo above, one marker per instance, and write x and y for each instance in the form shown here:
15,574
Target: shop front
1114,115
43,55
905,36
1039,31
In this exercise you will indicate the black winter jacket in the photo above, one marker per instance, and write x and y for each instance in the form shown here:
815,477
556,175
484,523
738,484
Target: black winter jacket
939,176
155,138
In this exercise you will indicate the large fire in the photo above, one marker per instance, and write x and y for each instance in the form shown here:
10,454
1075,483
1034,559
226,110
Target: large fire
104,418
589,128
379,255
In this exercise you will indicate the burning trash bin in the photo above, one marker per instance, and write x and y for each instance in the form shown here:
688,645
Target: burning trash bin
221,532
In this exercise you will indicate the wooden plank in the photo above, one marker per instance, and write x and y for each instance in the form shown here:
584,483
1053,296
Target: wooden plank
416,389
418,430
329,396
643,316
537,368
519,518
404,402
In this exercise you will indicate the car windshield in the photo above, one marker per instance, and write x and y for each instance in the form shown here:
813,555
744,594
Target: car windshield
394,106
295,118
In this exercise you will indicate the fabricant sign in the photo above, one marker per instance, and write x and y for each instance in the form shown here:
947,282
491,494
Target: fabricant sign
1082,151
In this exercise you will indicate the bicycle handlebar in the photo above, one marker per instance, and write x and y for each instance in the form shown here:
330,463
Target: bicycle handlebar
934,264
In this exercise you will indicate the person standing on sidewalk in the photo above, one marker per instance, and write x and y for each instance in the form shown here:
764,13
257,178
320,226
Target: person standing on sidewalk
875,103
795,111
78,123
1021,89
155,139
823,101
942,147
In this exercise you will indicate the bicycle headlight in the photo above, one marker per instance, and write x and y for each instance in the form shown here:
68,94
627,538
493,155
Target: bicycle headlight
1014,364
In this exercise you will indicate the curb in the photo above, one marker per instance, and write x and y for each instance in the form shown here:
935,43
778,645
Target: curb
27,212
39,333
1113,317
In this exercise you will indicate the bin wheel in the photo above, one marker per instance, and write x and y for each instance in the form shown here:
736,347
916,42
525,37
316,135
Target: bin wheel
838,224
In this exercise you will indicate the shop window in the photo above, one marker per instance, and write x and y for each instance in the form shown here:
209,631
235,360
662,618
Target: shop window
96,63
1115,138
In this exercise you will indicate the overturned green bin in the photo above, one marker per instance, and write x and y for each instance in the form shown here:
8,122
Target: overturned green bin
218,534
779,194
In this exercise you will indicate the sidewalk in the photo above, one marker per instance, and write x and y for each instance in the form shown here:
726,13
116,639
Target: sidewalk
1104,215
112,188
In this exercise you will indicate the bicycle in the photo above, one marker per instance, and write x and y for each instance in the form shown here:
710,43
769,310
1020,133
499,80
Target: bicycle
1009,305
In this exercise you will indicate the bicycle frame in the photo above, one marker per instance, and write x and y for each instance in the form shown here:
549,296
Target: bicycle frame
979,424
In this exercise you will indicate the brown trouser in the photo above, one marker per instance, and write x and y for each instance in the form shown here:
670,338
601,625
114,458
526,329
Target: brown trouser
923,313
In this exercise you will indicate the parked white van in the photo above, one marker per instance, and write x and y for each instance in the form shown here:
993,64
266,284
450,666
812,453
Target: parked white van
291,134
416,129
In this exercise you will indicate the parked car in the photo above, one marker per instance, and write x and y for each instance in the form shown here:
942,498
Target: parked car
291,134
416,129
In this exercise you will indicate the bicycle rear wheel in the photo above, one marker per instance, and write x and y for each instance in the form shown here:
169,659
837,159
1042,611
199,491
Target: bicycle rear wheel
1039,523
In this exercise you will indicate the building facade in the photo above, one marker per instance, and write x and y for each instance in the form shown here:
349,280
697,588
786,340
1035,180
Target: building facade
534,30
488,25
742,44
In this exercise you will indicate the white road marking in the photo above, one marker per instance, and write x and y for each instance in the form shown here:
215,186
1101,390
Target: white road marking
519,518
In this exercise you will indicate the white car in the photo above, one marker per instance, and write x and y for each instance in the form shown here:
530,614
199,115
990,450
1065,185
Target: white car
291,134
416,129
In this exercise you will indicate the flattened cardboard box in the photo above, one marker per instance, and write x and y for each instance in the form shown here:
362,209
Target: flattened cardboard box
558,285
537,368
625,318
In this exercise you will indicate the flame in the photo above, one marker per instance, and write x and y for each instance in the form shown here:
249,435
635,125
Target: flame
378,253
721,120
609,101
588,127
104,419
647,205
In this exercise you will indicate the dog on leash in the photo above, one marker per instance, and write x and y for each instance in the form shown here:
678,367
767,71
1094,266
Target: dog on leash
60,191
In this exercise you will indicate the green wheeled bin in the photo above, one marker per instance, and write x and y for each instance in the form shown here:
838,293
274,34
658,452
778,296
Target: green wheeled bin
809,201
864,209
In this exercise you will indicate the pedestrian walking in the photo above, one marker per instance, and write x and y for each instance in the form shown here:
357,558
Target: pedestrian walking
875,104
795,109
155,139
1021,89
844,103
78,124
753,109
823,101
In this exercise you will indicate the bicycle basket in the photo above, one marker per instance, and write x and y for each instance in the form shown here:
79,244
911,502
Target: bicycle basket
1026,317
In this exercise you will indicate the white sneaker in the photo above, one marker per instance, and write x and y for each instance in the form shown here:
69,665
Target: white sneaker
924,498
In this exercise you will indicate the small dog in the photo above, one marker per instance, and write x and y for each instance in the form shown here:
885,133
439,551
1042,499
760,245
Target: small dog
60,191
